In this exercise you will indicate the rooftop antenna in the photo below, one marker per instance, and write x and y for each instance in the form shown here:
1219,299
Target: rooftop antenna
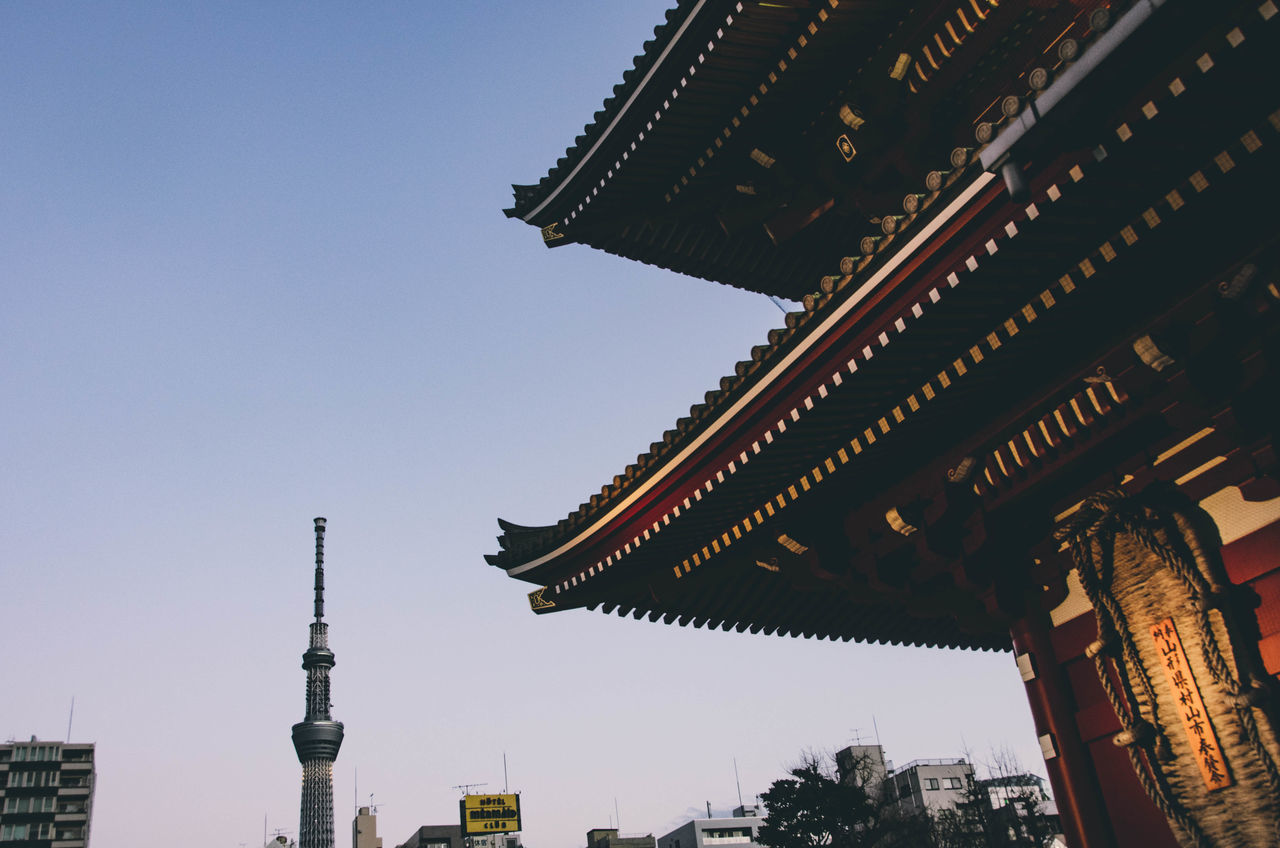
876,727
504,772
465,786
738,781
708,809
69,717
617,815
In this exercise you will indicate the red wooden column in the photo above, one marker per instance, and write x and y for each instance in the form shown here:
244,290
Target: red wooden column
1071,773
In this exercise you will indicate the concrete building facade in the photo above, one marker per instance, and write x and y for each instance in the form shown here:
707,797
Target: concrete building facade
931,785
46,792
450,836
608,837
739,832
435,836
862,765
364,829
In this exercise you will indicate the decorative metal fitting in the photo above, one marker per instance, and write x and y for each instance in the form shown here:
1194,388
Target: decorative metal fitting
851,117
1151,355
963,470
1232,289
898,523
1098,376
934,180
889,224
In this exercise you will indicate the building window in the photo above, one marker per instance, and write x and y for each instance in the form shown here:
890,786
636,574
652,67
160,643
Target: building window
725,837
953,783
931,783
35,753
28,805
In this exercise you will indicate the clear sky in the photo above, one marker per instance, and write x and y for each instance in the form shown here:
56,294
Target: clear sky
254,269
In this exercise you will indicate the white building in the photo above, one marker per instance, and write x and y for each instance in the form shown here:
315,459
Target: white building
931,785
740,830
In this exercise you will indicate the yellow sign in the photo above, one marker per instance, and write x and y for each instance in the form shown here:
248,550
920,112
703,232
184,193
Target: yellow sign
489,814
1195,721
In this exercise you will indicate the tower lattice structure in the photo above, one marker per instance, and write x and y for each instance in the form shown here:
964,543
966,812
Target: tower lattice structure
317,737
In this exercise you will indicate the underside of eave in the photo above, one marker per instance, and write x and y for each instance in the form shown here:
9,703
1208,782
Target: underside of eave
1123,309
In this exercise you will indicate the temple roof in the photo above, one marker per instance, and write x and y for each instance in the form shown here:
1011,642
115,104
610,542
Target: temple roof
756,144
925,379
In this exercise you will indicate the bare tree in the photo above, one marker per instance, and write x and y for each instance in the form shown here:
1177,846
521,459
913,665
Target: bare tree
1008,808
813,808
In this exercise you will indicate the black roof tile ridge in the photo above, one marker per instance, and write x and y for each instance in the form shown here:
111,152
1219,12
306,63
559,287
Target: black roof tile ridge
526,196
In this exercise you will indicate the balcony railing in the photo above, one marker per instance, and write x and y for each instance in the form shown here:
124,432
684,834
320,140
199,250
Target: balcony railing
937,761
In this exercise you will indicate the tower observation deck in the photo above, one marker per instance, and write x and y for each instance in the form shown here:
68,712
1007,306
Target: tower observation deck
317,737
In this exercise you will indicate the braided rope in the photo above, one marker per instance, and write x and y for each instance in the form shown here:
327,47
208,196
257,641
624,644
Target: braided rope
1203,598
1142,736
1100,518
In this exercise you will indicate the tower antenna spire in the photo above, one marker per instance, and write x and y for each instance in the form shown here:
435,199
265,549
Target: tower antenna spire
317,737
320,522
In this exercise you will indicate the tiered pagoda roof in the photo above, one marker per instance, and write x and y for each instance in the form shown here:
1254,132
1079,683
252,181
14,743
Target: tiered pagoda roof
1026,279
718,155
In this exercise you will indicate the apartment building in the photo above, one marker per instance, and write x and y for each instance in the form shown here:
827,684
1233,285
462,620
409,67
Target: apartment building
46,793
931,785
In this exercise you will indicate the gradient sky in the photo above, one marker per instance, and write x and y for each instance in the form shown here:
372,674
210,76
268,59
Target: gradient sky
254,269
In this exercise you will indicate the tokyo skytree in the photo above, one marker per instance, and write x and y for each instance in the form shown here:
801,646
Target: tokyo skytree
317,737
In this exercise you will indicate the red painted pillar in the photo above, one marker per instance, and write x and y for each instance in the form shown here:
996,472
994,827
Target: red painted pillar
1071,773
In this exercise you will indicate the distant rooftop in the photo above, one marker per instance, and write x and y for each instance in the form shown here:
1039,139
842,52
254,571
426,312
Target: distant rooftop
936,761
